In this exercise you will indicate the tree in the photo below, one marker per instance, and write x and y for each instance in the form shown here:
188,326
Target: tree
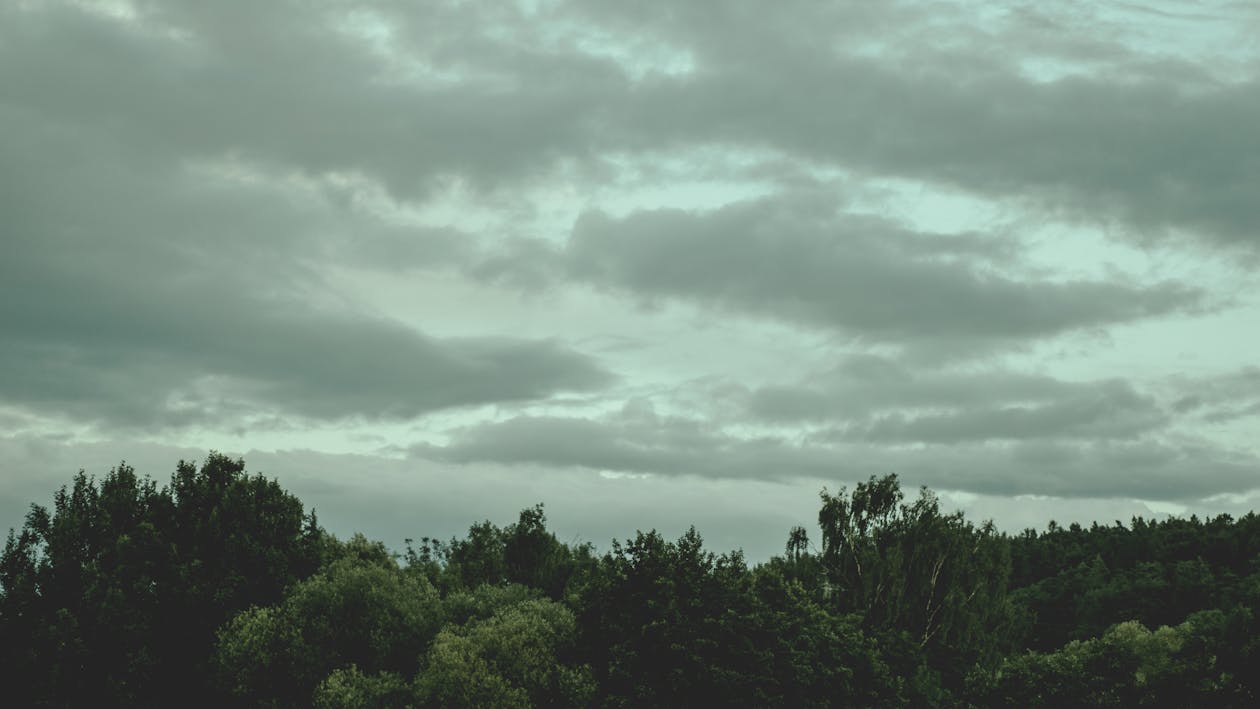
522,655
360,610
114,595
934,577
479,558
240,541
663,623
811,656
1128,665
350,688
534,557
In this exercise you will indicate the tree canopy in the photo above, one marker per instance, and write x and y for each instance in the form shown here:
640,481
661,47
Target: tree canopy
219,588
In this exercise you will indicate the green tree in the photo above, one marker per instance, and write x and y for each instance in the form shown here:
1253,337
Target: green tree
664,623
534,557
934,577
522,655
463,606
1128,665
113,596
479,557
349,688
811,656
360,610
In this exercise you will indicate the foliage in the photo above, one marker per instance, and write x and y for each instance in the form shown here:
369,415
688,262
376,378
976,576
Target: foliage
1076,582
934,578
357,611
349,688
667,623
1128,665
516,657
522,553
813,657
661,623
115,594
219,589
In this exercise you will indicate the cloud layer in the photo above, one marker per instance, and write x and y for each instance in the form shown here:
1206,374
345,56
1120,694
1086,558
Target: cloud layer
1000,248
797,261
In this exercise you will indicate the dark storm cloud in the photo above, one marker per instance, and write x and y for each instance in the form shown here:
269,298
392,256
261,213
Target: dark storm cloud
799,260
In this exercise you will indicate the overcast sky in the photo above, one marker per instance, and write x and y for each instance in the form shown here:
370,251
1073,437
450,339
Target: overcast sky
652,263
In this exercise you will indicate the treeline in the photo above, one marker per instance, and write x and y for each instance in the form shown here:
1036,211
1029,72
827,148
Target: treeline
219,589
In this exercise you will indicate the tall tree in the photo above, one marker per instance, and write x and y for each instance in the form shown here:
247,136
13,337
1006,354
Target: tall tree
360,610
934,577
114,595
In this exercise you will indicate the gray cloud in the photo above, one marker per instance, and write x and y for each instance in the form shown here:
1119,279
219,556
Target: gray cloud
143,365
1153,143
331,99
299,87
874,399
628,443
867,383
1113,412
1219,398
798,260
141,293
496,94
671,447
179,179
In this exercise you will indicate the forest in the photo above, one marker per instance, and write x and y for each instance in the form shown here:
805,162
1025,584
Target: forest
218,588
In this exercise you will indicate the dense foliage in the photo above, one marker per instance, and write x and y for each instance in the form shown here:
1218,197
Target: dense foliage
219,589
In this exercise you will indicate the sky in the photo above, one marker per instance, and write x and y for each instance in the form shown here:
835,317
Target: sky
652,264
